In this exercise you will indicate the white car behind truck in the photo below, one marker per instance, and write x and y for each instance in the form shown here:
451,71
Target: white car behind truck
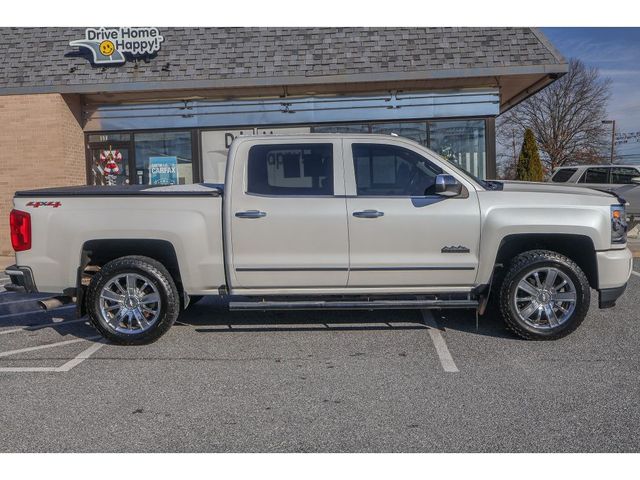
324,222
623,180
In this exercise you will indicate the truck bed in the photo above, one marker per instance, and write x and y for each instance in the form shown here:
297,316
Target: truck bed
187,218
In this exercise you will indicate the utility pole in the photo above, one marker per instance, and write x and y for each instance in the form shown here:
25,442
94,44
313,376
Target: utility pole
613,136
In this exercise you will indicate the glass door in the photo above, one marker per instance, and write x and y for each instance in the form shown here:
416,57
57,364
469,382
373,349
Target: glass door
109,164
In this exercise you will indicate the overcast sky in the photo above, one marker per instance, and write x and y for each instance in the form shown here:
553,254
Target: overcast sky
616,52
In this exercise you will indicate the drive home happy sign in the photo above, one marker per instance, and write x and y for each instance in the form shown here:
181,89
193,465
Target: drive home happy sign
108,45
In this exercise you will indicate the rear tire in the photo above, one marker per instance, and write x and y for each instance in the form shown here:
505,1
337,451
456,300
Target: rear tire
133,300
544,295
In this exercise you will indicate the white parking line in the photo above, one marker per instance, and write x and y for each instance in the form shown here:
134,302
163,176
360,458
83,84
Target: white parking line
635,273
17,314
32,328
82,356
48,345
446,360
74,362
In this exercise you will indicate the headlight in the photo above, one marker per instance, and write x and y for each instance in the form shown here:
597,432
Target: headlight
618,224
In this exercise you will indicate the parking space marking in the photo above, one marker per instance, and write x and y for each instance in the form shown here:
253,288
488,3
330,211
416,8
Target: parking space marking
635,273
9,315
48,345
446,360
82,356
32,328
74,362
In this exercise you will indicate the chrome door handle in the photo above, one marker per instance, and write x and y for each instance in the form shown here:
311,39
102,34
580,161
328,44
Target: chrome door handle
368,214
251,214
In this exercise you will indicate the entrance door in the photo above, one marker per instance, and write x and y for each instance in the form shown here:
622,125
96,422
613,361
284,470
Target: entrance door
402,234
109,164
286,215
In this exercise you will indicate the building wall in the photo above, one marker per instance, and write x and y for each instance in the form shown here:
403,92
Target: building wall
41,145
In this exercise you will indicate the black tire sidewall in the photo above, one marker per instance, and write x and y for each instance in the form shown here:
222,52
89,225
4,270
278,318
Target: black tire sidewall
160,280
521,270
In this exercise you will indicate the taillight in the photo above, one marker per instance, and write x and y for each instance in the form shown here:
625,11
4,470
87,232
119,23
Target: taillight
20,230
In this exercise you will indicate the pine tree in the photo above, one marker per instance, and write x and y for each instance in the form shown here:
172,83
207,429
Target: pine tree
529,167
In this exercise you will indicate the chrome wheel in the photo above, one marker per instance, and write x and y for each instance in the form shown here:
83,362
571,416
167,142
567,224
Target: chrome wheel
130,303
545,298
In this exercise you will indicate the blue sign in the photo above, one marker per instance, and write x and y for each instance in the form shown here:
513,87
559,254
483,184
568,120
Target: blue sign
163,170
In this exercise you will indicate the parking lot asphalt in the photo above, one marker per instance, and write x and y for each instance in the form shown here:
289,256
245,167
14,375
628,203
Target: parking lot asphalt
319,381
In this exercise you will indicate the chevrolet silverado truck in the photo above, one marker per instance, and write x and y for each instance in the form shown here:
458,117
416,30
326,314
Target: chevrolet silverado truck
324,221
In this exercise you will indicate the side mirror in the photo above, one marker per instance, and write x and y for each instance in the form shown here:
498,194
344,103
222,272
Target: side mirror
447,185
636,180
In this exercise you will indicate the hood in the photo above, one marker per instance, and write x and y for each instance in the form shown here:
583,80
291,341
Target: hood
571,189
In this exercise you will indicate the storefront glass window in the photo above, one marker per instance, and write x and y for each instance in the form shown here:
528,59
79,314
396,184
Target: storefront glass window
416,131
462,142
163,158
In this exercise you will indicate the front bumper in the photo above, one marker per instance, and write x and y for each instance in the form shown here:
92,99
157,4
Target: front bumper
608,296
21,279
614,268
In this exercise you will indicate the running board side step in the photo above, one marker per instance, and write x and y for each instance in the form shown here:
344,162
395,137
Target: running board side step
353,305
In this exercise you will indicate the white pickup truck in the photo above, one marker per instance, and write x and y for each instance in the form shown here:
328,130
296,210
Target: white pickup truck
324,222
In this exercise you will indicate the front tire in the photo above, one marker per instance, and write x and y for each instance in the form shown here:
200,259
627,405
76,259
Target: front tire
133,300
544,295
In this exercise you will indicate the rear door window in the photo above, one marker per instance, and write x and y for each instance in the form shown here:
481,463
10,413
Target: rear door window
290,169
563,175
623,175
596,175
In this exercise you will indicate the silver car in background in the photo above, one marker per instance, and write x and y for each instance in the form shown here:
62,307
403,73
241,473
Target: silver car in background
624,180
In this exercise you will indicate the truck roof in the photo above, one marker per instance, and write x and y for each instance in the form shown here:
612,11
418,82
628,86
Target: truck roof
599,165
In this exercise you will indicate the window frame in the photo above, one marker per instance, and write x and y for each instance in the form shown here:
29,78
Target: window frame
586,170
630,167
350,172
336,159
196,158
564,169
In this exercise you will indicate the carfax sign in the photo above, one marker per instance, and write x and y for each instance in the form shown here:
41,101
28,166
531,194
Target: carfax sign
108,45
163,170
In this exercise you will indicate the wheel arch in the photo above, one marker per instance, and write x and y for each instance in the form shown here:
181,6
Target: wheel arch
577,247
98,252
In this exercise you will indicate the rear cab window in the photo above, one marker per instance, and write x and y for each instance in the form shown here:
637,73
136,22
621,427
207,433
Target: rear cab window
563,175
290,169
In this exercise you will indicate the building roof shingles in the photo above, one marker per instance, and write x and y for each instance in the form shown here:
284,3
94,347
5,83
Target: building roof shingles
42,57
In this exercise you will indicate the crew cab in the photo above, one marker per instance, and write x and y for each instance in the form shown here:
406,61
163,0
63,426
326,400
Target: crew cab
324,221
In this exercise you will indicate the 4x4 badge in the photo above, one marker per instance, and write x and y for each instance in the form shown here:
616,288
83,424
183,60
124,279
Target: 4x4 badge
44,204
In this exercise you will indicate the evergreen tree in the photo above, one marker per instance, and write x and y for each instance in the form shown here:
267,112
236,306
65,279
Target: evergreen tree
529,167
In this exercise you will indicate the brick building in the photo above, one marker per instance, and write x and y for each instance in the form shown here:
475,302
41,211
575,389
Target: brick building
70,97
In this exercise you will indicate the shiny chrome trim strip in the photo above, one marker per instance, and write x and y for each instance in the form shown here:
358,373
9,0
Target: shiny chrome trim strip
341,269
291,269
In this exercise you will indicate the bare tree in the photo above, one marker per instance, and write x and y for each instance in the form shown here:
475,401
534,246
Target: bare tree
565,117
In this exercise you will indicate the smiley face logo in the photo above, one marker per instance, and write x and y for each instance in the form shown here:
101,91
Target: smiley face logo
107,48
